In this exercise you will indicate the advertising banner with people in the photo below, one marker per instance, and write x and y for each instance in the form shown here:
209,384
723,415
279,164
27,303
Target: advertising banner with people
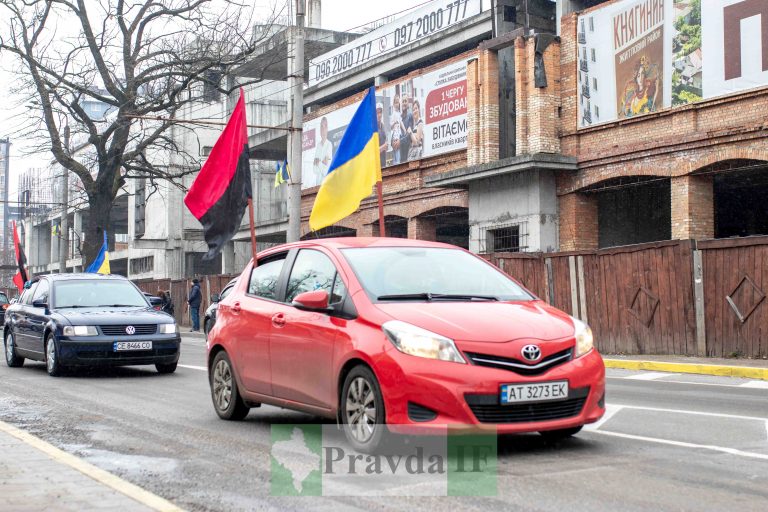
639,56
420,117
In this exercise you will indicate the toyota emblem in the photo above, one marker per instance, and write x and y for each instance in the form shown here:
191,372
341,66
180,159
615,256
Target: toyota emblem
132,330
531,353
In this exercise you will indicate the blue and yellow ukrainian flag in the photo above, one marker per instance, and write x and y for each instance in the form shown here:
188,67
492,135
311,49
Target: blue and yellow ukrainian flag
101,264
355,168
283,174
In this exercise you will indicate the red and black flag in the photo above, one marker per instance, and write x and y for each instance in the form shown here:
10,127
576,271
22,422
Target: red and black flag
21,261
221,191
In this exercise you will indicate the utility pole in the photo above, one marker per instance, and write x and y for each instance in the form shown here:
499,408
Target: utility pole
64,223
6,153
296,83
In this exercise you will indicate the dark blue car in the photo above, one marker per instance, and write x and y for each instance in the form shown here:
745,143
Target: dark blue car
88,320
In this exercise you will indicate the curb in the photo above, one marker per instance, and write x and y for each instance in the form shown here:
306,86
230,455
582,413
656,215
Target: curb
744,372
105,478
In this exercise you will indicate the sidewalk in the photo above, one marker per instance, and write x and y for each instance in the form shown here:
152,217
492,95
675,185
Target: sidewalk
742,368
35,476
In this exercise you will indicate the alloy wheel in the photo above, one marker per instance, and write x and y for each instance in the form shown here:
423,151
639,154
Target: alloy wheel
50,356
222,385
361,409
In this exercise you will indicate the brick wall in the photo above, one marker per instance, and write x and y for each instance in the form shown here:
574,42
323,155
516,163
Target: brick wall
483,108
693,214
578,222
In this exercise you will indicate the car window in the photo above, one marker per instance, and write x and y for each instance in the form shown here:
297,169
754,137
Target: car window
226,291
3,298
264,279
28,293
41,293
311,271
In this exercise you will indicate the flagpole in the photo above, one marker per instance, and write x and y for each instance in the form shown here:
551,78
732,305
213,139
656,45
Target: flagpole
380,193
253,231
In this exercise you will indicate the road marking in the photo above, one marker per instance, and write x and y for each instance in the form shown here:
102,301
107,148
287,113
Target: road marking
682,444
697,413
746,372
201,368
758,384
134,492
610,411
755,384
650,376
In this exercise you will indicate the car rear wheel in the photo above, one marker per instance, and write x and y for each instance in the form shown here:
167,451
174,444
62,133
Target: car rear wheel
166,368
226,397
52,363
555,435
362,410
11,359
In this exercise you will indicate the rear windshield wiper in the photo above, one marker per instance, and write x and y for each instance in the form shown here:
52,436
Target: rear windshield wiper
436,296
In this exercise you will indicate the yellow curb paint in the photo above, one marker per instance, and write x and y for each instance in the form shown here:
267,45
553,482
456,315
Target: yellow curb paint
744,372
134,492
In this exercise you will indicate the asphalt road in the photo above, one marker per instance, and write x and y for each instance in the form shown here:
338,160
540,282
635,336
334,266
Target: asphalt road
668,442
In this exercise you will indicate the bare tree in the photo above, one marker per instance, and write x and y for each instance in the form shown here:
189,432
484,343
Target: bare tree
144,59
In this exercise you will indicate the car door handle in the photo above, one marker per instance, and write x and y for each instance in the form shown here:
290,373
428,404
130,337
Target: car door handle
236,307
278,320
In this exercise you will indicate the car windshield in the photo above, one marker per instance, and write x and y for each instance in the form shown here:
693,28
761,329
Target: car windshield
429,273
89,293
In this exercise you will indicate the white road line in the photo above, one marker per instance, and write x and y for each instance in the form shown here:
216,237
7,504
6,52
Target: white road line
723,449
742,386
697,413
103,477
201,368
610,411
650,376
755,384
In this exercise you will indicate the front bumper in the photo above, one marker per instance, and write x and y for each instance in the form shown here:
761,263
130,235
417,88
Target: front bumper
466,396
82,351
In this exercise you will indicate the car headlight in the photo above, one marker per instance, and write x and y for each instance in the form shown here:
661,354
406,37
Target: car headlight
419,342
584,338
80,330
168,329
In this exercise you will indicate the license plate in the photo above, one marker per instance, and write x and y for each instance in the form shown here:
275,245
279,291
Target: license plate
539,392
120,346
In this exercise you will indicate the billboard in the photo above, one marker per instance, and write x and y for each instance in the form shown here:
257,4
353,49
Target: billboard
420,117
639,56
426,21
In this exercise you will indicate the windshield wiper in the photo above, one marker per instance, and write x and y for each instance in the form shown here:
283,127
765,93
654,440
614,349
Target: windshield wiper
74,306
435,296
121,306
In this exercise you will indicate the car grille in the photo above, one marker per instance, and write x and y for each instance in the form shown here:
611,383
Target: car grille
487,408
119,330
518,366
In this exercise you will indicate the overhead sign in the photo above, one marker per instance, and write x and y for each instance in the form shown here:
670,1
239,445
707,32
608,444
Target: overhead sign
640,56
420,117
427,21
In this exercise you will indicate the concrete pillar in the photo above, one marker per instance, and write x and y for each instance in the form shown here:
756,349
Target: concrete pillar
693,215
54,243
314,12
421,228
578,221
228,258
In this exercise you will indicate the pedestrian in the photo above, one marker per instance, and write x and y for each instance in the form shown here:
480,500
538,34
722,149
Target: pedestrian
194,299
167,304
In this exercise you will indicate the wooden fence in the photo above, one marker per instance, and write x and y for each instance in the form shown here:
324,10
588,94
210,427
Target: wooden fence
676,297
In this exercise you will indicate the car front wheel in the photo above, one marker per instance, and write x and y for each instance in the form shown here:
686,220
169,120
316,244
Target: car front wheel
52,363
226,397
11,358
362,410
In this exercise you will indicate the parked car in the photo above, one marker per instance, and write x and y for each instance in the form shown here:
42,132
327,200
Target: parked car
400,334
154,301
4,304
88,320
210,313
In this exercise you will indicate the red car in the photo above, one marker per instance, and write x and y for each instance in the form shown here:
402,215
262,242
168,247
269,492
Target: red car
407,333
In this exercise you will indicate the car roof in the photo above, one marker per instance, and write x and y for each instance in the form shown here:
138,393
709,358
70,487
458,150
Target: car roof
80,276
357,242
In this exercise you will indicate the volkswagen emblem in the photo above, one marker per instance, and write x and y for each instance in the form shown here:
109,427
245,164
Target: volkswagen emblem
132,330
531,352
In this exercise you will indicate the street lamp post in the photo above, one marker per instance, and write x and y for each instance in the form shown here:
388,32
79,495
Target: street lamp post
64,223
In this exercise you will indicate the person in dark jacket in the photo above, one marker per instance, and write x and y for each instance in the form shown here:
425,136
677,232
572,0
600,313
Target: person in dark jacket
167,304
194,299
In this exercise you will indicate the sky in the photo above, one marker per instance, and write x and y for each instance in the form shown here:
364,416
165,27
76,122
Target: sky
336,15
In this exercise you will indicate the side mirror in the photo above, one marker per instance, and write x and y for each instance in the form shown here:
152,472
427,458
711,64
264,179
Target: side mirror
215,298
39,303
316,300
